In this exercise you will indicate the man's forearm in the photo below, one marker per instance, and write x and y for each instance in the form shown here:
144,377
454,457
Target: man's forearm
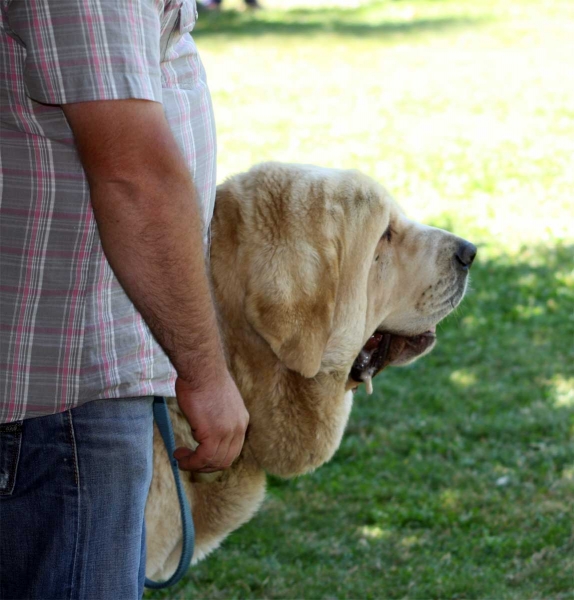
152,236
151,232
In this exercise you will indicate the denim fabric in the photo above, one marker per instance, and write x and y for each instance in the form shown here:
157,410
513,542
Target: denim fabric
73,488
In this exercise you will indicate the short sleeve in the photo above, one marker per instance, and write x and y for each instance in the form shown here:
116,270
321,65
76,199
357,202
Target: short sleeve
80,50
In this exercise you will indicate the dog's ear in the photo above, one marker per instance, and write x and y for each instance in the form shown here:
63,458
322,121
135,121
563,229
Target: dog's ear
290,301
298,225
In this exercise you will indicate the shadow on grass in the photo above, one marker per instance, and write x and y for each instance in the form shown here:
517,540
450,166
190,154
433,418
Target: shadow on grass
350,22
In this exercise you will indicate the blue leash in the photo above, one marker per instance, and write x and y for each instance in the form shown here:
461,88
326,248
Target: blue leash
161,416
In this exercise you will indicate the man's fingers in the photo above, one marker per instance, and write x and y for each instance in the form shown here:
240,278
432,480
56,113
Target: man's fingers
233,450
204,460
182,453
206,456
196,460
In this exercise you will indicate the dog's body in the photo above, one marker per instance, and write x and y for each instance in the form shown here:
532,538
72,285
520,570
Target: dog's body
306,264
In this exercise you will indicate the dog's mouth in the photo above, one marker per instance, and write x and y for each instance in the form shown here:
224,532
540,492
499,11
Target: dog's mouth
384,349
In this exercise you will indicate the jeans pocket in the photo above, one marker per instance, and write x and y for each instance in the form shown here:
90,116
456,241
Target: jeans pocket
10,440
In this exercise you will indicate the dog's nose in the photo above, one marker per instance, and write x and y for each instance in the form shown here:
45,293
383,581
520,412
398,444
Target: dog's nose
465,254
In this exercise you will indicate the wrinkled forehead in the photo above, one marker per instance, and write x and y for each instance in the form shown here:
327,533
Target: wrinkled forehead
368,210
358,194
374,206
323,203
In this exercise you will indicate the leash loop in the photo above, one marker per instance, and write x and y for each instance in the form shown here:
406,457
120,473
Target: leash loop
161,416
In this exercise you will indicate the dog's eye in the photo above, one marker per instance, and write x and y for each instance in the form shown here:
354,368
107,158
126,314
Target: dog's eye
388,235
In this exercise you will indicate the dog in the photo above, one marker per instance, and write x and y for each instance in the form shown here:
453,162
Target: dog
320,282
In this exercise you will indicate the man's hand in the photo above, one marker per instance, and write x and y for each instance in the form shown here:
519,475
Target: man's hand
218,420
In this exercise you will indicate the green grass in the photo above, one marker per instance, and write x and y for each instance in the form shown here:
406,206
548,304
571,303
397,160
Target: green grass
456,478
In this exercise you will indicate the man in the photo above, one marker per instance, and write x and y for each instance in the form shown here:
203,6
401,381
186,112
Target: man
108,184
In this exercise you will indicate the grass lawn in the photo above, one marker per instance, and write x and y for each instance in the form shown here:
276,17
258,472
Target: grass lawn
456,478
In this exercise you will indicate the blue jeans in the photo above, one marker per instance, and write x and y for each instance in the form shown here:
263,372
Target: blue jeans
73,488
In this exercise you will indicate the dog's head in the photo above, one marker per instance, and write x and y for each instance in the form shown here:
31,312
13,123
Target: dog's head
337,278
417,276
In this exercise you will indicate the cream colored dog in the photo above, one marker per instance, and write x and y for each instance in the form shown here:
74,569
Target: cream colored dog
321,282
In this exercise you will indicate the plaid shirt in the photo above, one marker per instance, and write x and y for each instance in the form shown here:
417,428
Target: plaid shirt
69,334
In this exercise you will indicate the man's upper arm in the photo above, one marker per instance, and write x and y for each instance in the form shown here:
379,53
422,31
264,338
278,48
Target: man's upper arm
124,141
98,50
